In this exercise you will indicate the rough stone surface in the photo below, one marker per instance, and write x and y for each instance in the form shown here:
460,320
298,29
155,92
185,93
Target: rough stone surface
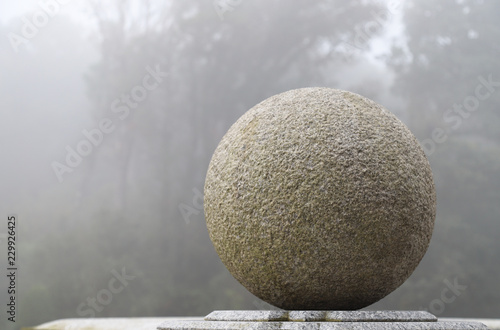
378,316
247,316
151,323
319,199
306,316
321,316
211,325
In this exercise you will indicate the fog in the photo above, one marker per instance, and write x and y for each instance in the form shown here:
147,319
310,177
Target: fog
111,111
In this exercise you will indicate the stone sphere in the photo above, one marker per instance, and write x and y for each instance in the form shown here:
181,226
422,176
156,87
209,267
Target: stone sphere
319,199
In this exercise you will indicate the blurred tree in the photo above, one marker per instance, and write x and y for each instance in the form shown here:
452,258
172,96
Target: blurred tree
219,62
450,51
216,69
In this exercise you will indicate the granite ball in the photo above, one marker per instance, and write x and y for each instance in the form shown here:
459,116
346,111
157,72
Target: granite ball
319,199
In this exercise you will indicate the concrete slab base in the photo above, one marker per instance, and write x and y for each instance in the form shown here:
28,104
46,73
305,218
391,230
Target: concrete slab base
317,320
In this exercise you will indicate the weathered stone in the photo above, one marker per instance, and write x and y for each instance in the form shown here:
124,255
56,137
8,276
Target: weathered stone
321,316
151,323
378,316
247,316
221,325
306,316
319,199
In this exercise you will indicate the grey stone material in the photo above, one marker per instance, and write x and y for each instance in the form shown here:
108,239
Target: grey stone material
221,325
380,316
151,323
247,316
493,324
306,316
319,199
321,316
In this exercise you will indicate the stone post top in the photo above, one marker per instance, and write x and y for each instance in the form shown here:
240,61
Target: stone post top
322,316
313,320
155,323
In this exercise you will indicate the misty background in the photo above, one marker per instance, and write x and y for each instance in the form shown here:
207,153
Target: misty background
111,111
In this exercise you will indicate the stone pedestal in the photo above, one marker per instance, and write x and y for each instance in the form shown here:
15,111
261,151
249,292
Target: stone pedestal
334,320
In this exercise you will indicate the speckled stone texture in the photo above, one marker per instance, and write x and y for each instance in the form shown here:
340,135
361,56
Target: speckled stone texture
314,320
247,316
322,316
319,199
220,325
